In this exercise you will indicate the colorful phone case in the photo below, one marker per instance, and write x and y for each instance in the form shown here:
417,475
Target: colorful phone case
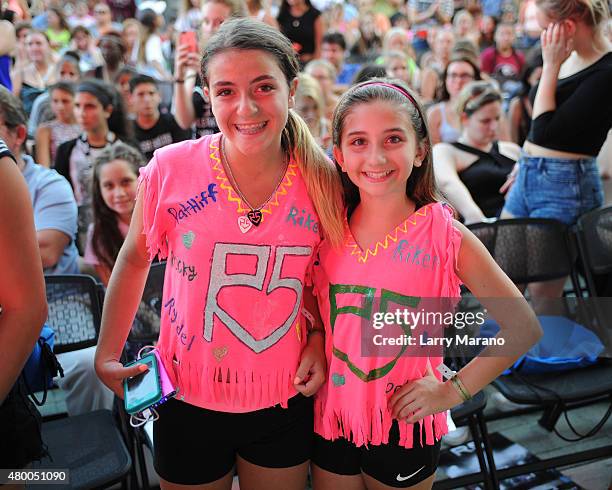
153,398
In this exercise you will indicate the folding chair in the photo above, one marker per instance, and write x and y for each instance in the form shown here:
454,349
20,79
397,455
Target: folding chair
594,238
531,250
90,446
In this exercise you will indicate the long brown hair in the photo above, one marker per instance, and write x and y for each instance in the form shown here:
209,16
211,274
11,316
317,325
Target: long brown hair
421,186
322,180
107,238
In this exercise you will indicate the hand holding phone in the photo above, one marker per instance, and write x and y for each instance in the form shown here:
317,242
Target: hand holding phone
144,389
190,40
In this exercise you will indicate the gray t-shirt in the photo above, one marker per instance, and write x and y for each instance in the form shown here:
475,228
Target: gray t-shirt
54,209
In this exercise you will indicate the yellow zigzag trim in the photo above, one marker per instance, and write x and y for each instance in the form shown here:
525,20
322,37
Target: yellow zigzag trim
231,193
363,258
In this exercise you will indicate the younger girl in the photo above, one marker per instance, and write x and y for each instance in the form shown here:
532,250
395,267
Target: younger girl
232,213
115,173
64,127
380,418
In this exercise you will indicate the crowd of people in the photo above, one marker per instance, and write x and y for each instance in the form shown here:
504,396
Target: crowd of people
130,121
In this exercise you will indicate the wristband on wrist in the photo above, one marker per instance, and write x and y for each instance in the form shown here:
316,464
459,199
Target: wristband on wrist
460,387
179,80
453,377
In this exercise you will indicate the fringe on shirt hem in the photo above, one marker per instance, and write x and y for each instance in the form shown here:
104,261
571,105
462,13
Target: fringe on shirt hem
372,426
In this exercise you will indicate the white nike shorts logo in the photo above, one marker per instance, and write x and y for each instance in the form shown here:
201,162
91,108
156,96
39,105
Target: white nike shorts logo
399,477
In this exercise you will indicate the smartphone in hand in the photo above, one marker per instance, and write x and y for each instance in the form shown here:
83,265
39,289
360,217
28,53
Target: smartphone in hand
144,389
189,39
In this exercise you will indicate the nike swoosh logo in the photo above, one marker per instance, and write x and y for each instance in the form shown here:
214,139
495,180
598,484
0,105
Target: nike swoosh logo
404,478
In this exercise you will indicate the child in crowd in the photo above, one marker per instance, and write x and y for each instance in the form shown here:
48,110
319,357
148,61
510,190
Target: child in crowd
64,127
310,106
115,174
58,31
238,215
380,418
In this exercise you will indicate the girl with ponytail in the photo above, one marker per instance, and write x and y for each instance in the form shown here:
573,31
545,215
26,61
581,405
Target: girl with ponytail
239,215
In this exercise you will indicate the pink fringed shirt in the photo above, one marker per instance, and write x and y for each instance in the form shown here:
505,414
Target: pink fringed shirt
415,261
231,326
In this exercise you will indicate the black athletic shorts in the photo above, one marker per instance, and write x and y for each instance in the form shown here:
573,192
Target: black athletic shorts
390,463
194,445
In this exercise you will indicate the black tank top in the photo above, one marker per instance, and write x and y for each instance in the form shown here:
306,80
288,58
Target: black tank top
485,176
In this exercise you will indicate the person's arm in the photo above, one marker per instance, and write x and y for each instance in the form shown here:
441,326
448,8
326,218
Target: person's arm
185,69
419,17
518,326
514,113
8,40
103,273
556,47
434,121
429,84
319,29
312,371
17,78
51,244
458,195
22,286
55,218
43,146
123,296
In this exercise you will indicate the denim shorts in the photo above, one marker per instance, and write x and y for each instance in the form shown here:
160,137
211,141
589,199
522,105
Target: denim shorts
556,188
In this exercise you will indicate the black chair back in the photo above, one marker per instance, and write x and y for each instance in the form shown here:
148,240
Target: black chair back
74,311
528,249
594,235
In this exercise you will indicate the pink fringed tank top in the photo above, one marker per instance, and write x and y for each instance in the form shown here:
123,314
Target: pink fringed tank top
231,326
415,262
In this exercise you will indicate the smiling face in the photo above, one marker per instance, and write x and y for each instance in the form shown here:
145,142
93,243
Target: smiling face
378,149
118,184
250,99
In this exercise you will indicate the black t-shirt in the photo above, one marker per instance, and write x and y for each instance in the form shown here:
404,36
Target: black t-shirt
205,122
583,116
165,132
300,30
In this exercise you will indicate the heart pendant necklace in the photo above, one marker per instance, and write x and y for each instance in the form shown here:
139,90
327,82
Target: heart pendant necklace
254,217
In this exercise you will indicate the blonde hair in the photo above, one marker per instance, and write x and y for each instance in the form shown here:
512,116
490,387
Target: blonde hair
237,8
308,86
391,33
321,178
592,12
474,96
331,70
